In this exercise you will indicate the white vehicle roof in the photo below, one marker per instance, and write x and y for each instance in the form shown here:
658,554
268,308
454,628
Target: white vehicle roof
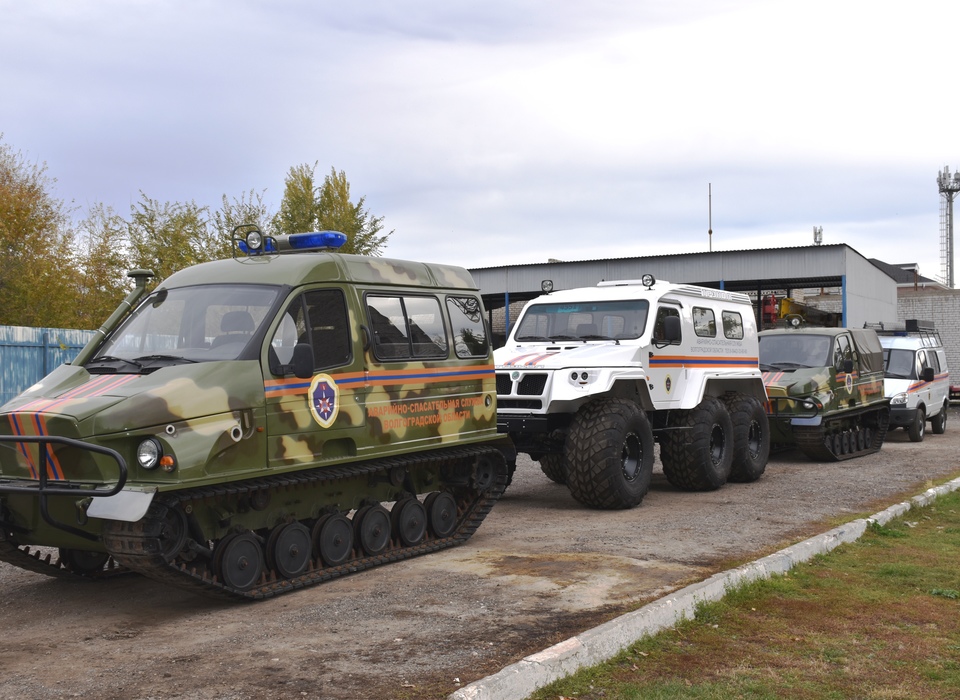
908,342
618,290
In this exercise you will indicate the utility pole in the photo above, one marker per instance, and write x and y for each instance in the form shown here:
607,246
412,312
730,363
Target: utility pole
710,215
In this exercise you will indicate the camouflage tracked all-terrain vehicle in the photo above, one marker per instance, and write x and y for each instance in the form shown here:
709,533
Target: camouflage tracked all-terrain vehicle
825,390
260,424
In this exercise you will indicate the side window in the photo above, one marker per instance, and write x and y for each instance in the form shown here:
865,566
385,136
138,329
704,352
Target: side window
318,318
704,322
732,325
934,361
406,327
841,352
469,331
658,332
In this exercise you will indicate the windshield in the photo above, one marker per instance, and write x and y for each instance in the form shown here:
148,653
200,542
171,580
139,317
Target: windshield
598,320
188,324
794,351
899,364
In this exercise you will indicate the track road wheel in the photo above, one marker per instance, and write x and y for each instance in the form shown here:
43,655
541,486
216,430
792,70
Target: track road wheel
554,465
239,561
372,528
917,429
288,549
698,454
609,454
441,513
409,519
82,561
751,439
939,422
333,539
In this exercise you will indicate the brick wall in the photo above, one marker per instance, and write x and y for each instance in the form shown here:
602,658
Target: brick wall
942,307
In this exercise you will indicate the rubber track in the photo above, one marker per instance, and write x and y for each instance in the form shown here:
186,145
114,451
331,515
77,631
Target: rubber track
48,563
136,546
811,439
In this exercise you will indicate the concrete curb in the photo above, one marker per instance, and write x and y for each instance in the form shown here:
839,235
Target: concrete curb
594,646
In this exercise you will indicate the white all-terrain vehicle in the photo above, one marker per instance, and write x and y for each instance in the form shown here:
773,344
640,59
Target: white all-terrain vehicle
590,377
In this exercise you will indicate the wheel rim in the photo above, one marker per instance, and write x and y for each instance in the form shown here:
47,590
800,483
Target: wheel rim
373,529
173,533
409,521
291,550
754,439
631,457
717,444
333,539
241,561
442,513
484,475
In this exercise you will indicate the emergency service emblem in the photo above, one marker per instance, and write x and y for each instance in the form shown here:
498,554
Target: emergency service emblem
324,400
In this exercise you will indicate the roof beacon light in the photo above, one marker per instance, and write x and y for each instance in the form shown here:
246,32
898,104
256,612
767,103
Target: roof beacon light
255,243
316,240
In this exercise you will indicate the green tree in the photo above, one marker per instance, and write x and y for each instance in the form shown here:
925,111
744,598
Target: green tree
298,208
248,209
335,212
103,260
35,244
308,207
169,236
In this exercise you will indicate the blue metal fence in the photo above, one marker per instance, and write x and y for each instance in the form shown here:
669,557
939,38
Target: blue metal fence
27,355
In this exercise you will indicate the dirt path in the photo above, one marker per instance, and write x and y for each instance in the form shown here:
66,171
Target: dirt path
539,570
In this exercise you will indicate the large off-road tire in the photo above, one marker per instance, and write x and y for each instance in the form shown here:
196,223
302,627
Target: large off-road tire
939,422
554,465
697,448
917,429
609,454
751,438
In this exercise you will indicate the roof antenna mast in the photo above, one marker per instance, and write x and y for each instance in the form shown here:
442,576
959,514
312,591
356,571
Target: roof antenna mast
710,214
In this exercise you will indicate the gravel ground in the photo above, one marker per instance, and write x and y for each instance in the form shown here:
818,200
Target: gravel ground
538,571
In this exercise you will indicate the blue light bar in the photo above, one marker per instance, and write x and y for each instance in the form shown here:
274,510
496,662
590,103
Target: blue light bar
316,239
267,247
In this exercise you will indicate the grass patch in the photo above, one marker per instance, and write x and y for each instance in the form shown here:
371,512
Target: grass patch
879,618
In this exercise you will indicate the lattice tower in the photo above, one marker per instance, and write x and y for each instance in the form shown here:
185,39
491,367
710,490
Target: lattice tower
949,185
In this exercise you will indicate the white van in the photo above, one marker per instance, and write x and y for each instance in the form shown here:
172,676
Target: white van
915,379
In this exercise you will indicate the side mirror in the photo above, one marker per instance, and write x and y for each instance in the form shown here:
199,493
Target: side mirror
671,329
302,362
848,365
927,374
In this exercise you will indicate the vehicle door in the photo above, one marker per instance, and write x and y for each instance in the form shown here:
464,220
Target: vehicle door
846,371
317,417
666,361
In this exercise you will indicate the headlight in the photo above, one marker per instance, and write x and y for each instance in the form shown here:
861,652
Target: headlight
149,453
899,399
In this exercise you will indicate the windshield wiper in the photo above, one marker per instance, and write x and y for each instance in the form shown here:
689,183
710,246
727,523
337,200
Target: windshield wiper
599,337
533,338
788,365
169,358
564,337
111,359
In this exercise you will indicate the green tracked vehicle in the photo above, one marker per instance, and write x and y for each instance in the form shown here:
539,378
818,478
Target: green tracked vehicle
259,424
825,391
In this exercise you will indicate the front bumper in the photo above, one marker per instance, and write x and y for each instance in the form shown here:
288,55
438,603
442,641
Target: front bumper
902,417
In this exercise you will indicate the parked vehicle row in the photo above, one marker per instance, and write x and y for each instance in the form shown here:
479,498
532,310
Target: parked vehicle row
255,425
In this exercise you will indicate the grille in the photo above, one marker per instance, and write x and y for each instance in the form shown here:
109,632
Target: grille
532,385
504,385
529,404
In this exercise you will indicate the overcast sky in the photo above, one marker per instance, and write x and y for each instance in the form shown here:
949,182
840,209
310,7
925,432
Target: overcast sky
508,131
